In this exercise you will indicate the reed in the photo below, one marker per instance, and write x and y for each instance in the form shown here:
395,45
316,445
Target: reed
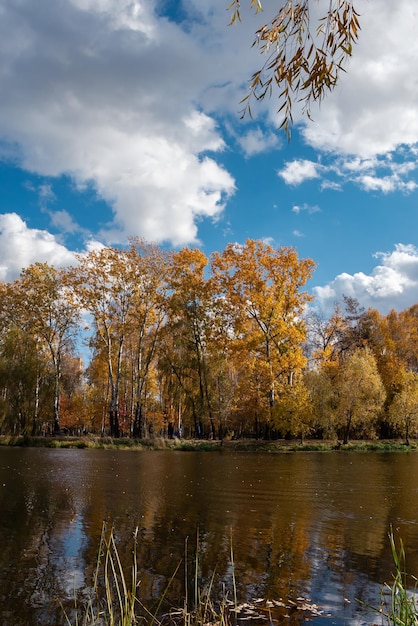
399,599
114,601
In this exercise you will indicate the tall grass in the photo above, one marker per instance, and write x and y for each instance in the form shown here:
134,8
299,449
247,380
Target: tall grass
113,598
114,601
399,599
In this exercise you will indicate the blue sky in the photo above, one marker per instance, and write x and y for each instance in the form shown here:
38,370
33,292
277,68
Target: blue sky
121,118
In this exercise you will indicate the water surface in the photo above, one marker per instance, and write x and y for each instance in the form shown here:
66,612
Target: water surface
302,524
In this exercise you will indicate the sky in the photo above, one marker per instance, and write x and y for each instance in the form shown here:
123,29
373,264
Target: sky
121,118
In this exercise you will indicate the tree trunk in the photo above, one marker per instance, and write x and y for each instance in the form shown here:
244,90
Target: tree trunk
36,408
138,426
407,433
347,431
57,376
114,422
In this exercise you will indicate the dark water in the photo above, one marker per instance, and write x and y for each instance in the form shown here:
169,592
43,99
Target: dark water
305,524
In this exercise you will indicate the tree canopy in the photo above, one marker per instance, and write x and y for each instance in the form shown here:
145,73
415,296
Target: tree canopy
179,343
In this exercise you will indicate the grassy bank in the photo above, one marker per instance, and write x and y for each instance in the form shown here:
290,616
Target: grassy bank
250,445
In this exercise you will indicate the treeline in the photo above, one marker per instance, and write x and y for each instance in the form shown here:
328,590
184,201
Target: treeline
184,345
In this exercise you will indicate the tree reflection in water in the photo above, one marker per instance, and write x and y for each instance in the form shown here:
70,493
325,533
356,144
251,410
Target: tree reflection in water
304,525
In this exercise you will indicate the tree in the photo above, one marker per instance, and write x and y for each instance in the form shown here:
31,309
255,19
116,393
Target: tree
123,289
294,410
147,318
107,282
24,381
305,54
360,394
261,291
42,306
394,341
190,309
324,335
403,411
319,383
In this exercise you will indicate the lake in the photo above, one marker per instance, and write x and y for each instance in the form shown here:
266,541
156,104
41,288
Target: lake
308,524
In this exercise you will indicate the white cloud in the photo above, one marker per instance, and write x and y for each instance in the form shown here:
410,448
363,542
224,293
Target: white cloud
63,221
46,193
21,246
269,241
385,184
120,98
297,171
383,174
108,93
331,184
117,96
308,208
256,141
373,183
393,284
373,111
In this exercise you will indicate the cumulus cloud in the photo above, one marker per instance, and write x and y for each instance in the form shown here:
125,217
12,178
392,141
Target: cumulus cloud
383,174
64,222
139,106
373,111
385,184
393,283
107,92
21,246
297,171
256,141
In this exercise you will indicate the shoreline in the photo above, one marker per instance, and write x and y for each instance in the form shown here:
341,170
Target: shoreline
240,445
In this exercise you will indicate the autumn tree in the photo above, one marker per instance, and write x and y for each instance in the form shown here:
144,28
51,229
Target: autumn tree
359,392
106,283
261,291
24,382
152,267
305,53
97,392
23,368
324,334
75,414
393,339
319,383
402,328
403,411
42,307
294,413
189,307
